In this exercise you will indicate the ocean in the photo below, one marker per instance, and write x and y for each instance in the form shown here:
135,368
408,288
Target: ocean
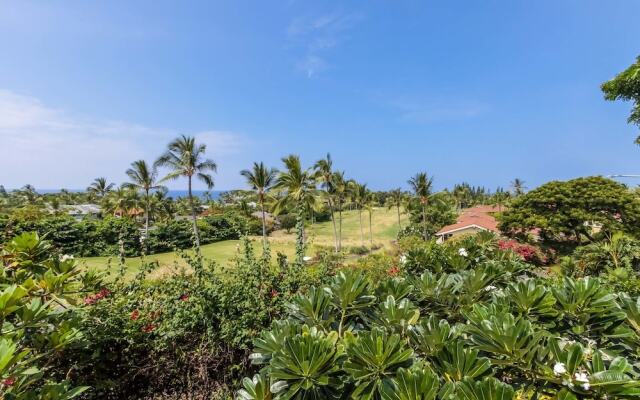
215,194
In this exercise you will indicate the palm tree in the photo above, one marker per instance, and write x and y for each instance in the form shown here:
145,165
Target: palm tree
261,179
161,206
143,178
369,204
185,158
500,197
325,176
341,190
518,187
359,195
100,187
396,199
297,186
422,185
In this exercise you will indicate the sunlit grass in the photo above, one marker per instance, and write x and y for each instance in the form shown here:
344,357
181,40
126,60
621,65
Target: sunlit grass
384,226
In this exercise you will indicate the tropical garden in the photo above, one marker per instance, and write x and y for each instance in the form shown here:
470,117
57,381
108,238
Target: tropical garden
317,301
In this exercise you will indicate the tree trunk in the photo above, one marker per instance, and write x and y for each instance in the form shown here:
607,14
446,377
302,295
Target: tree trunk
370,230
264,221
399,224
361,230
340,226
196,235
145,245
333,221
424,220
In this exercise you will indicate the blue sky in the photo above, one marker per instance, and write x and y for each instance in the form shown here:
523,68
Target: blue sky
476,91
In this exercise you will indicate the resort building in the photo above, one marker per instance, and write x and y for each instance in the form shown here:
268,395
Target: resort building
472,220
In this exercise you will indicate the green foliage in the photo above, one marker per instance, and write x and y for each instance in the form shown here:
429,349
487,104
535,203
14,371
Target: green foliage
564,212
39,297
626,87
478,329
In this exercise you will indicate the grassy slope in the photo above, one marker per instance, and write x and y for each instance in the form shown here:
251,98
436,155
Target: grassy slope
385,229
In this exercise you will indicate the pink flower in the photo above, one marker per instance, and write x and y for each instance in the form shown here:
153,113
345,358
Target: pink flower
135,314
10,381
393,271
148,328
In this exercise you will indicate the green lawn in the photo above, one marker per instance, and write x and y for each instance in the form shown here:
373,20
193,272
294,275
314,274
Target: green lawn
385,229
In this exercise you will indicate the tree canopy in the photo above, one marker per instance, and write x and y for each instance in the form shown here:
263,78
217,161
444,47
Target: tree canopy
566,211
626,86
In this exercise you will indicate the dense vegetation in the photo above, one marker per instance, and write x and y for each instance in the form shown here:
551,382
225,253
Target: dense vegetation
549,309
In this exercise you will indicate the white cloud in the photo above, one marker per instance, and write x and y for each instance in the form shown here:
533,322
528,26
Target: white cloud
51,148
313,37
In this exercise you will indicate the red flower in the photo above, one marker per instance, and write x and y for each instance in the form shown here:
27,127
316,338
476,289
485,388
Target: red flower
135,314
184,297
10,381
148,328
92,299
393,271
274,293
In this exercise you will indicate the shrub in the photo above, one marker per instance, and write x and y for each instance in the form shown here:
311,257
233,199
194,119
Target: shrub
474,334
287,222
188,334
359,250
40,297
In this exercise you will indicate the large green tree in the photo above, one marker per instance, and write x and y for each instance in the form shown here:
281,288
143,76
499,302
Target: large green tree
297,188
143,177
185,158
565,212
626,87
261,179
325,176
422,186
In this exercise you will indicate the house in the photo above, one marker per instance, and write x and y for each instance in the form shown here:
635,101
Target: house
471,220
80,211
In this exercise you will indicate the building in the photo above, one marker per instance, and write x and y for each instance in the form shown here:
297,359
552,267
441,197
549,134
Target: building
471,220
80,211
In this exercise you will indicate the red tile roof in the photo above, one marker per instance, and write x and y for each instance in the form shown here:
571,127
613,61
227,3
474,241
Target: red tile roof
479,216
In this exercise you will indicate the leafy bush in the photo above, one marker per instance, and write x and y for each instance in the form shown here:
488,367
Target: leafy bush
479,330
189,333
359,250
287,222
39,298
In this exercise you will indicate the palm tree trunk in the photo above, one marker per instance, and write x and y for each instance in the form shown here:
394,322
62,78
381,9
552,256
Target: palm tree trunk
340,226
196,235
146,222
424,221
361,230
264,222
370,230
399,224
333,221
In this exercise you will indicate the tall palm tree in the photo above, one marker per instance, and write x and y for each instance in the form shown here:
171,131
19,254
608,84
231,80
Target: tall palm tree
261,179
297,186
341,190
100,187
185,158
422,185
396,199
325,176
518,187
143,178
359,195
369,204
